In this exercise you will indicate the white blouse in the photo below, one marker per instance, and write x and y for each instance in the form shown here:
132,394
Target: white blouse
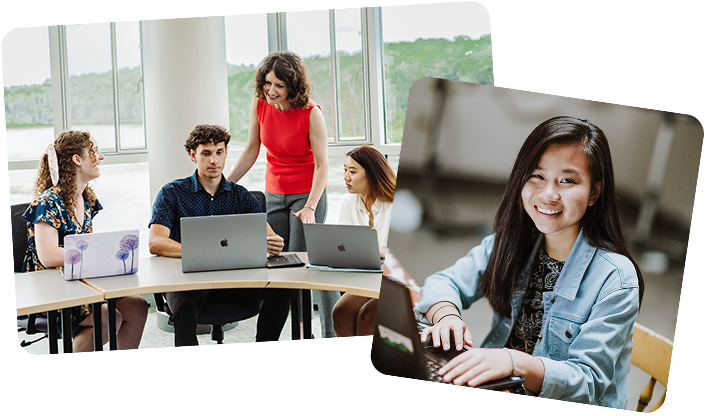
353,212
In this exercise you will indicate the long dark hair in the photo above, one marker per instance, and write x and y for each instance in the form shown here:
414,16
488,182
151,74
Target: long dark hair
381,178
515,232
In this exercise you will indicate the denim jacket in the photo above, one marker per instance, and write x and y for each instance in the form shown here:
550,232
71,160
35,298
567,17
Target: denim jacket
586,337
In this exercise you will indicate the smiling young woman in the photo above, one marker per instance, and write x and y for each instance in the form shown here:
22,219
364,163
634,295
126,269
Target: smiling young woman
563,287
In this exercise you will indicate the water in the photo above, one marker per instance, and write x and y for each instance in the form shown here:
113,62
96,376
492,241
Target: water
29,143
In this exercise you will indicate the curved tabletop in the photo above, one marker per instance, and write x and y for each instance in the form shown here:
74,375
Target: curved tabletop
47,290
163,274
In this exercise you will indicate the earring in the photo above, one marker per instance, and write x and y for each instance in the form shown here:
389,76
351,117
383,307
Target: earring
81,168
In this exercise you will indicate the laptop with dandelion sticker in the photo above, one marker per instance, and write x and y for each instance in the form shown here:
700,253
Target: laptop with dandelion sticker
101,254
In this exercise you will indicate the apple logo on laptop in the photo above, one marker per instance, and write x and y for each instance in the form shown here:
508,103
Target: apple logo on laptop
224,242
341,248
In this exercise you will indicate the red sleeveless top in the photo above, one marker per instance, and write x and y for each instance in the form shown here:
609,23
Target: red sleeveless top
285,135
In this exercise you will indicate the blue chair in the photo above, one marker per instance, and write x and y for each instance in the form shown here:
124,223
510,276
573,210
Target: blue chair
218,315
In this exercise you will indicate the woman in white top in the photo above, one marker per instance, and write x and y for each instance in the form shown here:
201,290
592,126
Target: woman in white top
371,182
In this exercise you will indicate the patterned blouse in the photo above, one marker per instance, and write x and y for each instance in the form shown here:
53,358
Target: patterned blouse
530,317
49,207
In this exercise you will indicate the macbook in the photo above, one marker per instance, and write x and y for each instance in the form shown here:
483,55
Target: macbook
342,247
224,242
101,254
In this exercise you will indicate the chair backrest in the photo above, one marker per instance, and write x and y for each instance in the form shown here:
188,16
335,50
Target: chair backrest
260,196
19,234
663,360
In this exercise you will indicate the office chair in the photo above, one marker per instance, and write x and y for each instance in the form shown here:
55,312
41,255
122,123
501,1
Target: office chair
30,324
651,353
218,315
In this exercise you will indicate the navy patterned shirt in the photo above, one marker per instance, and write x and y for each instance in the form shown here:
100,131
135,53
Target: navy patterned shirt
187,197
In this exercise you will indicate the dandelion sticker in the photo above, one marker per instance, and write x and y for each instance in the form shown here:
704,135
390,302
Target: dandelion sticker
123,254
72,257
81,245
130,243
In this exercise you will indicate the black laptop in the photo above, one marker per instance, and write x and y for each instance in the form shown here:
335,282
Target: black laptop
397,350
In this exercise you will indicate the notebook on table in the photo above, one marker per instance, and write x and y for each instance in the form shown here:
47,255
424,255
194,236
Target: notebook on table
224,242
397,349
336,247
101,254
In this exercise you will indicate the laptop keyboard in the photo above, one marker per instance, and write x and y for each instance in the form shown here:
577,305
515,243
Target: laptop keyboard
434,363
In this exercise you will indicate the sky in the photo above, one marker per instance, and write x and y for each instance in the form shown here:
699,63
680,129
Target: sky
26,50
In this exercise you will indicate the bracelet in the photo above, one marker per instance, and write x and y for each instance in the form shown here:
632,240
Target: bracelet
513,363
445,306
449,314
311,207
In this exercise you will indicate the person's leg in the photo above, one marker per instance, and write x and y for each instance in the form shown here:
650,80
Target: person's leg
278,216
345,314
295,203
185,307
83,341
297,243
273,312
134,312
366,323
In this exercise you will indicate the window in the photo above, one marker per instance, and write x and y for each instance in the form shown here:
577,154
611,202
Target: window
337,83
104,69
28,92
246,46
450,41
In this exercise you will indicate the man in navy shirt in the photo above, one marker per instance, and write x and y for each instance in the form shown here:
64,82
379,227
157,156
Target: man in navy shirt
207,192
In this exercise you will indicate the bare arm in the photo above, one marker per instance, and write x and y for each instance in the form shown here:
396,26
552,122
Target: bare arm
252,148
160,243
46,238
318,141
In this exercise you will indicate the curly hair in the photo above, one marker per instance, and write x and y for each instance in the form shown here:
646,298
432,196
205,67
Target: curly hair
67,144
207,133
290,69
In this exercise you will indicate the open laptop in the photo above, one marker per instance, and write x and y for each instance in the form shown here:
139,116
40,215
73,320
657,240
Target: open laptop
342,247
396,348
224,242
101,254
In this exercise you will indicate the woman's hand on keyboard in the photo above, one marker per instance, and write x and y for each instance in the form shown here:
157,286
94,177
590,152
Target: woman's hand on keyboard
447,330
477,366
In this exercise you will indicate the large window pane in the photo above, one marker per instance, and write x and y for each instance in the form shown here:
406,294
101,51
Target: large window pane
246,46
450,41
129,72
350,75
91,82
308,37
28,94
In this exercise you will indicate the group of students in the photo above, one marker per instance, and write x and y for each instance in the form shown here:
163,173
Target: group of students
291,127
556,271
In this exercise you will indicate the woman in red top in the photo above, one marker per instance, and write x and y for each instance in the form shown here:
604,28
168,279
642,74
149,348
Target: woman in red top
291,127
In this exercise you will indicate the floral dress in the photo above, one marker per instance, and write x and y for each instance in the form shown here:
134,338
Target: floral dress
49,207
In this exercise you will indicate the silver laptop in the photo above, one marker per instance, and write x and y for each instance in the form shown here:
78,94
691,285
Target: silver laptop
224,242
342,247
101,254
